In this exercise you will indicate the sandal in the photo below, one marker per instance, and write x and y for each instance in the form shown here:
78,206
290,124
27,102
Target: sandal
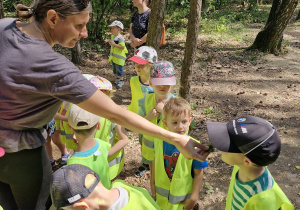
141,170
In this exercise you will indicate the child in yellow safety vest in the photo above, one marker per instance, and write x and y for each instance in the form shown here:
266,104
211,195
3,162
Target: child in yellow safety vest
118,52
78,187
176,180
250,144
143,58
162,78
90,152
111,133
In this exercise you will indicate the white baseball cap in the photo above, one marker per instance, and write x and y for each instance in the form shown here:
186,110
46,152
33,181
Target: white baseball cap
117,23
78,115
144,55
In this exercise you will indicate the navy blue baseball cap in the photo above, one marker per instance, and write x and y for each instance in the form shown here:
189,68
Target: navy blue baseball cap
256,138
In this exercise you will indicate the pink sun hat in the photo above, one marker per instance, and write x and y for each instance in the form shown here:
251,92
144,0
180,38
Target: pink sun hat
2,152
101,83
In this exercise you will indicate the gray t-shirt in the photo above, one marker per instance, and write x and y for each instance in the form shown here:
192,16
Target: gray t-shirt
119,39
34,80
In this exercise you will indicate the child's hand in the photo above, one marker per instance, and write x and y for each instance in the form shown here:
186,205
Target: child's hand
152,114
110,42
159,107
189,203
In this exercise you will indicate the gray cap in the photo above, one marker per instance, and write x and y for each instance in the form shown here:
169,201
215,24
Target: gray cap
69,184
116,23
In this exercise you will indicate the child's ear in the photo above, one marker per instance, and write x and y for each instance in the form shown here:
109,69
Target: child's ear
81,204
98,126
191,118
247,161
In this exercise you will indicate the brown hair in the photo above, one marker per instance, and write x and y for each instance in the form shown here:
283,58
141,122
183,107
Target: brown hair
64,8
176,106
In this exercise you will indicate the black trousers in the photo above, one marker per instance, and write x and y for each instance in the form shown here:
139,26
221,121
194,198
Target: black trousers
25,178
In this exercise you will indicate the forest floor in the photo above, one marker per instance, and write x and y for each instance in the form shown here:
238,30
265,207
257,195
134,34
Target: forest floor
227,83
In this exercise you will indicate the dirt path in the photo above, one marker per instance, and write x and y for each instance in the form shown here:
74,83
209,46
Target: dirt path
234,85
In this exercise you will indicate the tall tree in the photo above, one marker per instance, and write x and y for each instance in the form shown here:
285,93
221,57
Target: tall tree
270,38
76,54
190,48
1,9
298,16
155,23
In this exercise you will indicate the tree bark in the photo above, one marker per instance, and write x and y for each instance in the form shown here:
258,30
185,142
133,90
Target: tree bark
298,16
1,9
155,23
190,48
76,54
270,38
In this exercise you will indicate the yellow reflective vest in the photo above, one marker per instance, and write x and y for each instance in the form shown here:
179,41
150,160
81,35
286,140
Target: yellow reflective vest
66,134
148,141
139,198
170,194
117,55
96,162
136,94
271,199
107,134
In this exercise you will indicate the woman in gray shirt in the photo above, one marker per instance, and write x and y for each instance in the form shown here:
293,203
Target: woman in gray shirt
34,81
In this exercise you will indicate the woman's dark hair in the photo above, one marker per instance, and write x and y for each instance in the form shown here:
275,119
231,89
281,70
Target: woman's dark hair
64,8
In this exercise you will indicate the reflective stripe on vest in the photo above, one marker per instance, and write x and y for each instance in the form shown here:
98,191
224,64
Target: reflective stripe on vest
116,160
148,143
172,198
136,94
118,56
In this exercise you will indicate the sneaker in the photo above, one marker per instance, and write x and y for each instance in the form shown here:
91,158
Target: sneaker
120,84
52,162
64,158
141,169
117,81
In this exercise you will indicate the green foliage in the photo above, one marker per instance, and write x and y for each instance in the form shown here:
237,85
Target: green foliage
209,110
177,20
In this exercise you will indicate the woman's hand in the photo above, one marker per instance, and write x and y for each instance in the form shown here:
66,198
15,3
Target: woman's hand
192,149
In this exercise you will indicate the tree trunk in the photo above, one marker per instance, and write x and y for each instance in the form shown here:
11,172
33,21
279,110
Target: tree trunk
155,23
298,16
270,38
1,9
190,48
76,54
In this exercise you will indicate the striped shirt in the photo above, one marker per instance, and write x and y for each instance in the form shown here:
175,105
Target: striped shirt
242,191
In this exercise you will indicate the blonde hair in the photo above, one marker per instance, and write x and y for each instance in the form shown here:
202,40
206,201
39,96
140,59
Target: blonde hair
175,107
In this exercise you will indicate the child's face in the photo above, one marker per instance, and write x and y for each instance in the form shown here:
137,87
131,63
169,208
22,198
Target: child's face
161,90
115,30
233,158
143,69
178,124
